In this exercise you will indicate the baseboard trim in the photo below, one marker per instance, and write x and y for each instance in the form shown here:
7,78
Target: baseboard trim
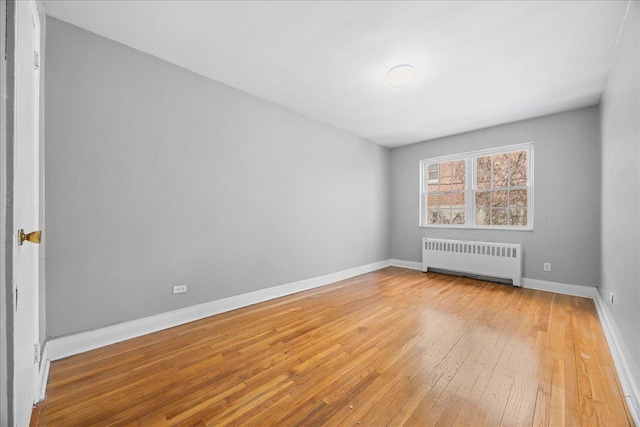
59,348
628,381
43,373
411,265
560,288
540,285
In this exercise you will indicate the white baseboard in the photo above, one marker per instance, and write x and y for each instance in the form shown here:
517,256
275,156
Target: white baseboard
43,373
560,288
58,348
628,381
541,285
412,265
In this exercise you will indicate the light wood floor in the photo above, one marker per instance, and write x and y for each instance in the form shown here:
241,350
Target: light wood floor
393,347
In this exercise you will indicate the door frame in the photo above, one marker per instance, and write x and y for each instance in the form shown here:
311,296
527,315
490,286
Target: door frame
8,52
7,138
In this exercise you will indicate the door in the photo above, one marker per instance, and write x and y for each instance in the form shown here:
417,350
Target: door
26,209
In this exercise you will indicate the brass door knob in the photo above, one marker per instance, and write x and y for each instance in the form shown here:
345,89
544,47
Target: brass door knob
33,237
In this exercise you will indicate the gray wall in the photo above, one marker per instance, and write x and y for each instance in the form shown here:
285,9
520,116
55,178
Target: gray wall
157,176
566,195
620,254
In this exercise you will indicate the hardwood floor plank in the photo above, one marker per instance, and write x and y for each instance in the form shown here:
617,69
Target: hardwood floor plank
392,347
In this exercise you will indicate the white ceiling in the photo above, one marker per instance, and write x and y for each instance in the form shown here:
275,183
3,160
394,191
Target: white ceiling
478,63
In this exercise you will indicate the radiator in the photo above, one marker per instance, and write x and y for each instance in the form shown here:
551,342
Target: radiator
499,260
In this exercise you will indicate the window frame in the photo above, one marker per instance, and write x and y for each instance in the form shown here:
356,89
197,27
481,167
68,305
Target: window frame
470,159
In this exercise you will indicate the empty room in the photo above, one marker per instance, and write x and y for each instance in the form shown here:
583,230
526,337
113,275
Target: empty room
320,213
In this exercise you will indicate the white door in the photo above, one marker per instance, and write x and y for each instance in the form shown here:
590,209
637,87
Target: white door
26,209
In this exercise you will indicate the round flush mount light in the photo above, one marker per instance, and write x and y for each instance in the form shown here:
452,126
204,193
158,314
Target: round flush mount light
401,75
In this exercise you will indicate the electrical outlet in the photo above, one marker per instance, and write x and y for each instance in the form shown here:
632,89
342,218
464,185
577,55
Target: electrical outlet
611,297
547,266
180,289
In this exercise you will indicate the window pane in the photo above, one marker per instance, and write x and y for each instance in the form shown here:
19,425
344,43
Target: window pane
499,216
500,162
457,216
433,200
432,216
500,179
445,169
518,178
456,200
457,170
483,165
518,198
518,216
443,216
432,188
482,198
483,181
483,216
518,160
499,198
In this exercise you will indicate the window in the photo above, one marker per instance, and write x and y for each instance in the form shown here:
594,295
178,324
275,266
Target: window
482,189
446,196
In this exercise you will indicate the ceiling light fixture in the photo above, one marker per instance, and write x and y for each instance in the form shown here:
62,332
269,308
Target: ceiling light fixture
401,75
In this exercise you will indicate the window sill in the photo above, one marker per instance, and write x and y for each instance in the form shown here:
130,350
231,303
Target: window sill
468,227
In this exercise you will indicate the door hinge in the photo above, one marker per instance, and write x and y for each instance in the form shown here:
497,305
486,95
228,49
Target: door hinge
16,299
36,60
36,353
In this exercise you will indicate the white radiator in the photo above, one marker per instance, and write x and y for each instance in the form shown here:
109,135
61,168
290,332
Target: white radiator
499,260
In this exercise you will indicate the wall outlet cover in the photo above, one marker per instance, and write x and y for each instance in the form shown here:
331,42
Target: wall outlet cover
180,289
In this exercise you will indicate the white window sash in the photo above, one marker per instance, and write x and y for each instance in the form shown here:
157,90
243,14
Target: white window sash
470,159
